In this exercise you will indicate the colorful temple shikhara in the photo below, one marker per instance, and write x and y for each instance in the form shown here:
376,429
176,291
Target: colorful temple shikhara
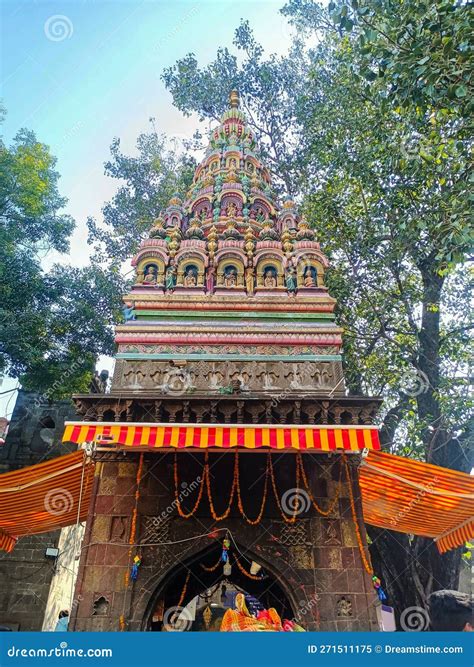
227,451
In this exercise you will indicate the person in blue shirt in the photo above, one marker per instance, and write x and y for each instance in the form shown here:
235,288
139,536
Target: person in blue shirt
63,621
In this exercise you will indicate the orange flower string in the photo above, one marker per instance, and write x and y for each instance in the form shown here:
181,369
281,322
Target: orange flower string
365,560
287,519
213,568
226,513
181,513
254,522
133,529
185,588
299,461
244,571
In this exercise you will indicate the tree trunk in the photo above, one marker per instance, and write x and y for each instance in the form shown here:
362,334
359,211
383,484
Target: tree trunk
412,568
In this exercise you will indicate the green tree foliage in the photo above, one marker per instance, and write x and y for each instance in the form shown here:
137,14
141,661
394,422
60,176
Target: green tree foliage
268,87
383,173
53,324
423,50
147,182
387,147
388,187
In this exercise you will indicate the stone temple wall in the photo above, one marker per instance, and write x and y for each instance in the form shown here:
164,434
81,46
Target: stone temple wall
315,561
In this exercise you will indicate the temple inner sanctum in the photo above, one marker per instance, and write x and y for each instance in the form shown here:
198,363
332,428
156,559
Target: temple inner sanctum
227,450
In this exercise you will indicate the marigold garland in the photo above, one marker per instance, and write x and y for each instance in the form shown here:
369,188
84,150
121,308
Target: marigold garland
213,567
133,529
181,513
254,522
226,513
185,588
365,560
285,517
299,460
244,571
236,490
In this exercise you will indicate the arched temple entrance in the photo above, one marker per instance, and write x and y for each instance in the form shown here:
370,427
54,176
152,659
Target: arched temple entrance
195,594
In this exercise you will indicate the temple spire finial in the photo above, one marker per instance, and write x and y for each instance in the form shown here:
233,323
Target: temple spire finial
234,99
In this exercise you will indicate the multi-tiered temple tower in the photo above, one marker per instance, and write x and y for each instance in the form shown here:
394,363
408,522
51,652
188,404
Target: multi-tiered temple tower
227,412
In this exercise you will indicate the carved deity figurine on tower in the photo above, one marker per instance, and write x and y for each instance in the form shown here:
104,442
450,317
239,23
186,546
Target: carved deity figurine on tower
171,273
231,210
290,279
269,278
249,280
190,278
230,277
210,279
310,277
150,276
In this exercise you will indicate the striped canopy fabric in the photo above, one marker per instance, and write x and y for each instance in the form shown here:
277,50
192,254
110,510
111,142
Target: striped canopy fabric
203,436
44,497
7,542
418,498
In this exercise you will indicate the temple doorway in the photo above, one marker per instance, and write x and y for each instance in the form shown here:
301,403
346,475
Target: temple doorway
196,594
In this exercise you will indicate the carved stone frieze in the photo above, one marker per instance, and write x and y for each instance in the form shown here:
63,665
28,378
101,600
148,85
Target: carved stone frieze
213,376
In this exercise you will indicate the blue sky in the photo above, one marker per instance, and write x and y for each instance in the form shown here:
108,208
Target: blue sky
81,72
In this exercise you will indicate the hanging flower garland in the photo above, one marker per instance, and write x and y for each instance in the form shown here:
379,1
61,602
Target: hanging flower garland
236,490
181,513
212,568
254,522
332,504
245,572
133,529
285,517
377,584
365,560
185,588
226,513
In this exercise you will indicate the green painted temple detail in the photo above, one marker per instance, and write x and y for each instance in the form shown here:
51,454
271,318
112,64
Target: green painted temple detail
228,322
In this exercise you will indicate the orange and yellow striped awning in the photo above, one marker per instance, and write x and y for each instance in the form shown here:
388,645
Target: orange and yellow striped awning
44,497
203,436
418,498
7,542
